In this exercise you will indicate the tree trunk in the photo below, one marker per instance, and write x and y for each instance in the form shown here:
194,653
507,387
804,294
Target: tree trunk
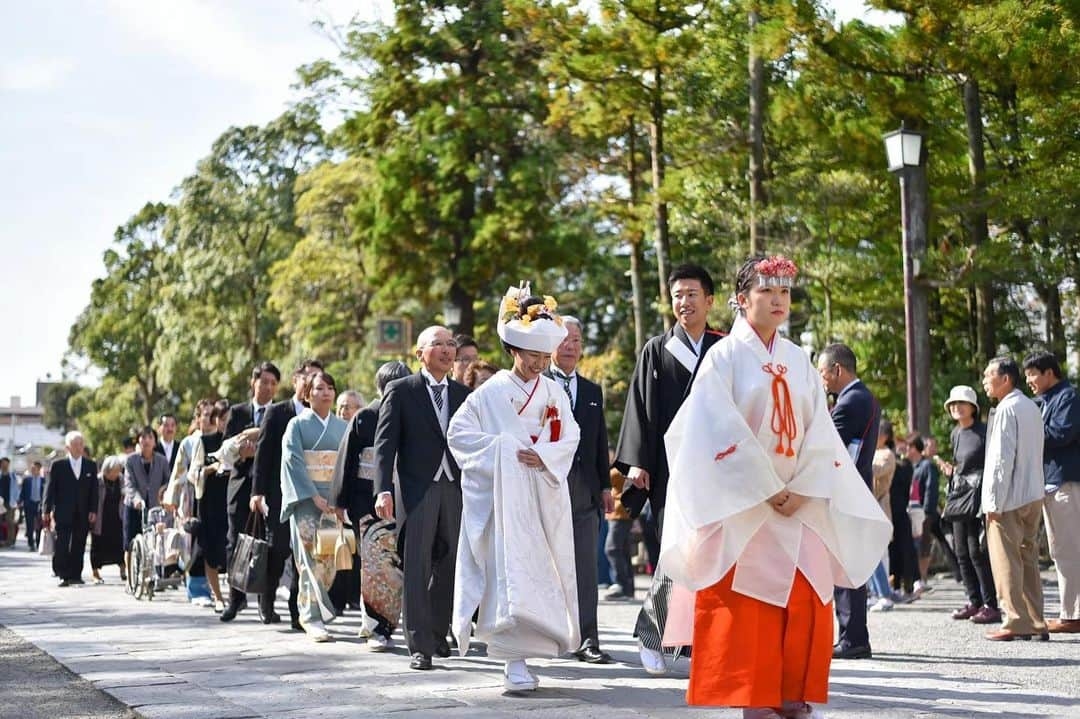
757,138
637,240
660,208
985,344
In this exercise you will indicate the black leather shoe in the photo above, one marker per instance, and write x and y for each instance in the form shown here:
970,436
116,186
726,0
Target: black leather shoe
420,661
271,618
295,624
442,649
848,652
593,655
64,583
232,610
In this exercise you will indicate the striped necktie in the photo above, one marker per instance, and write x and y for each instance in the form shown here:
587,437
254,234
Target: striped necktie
436,392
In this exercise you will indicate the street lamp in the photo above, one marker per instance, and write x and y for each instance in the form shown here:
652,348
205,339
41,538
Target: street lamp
906,153
451,315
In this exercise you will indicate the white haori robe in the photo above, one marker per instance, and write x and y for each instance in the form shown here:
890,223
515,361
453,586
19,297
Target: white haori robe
515,557
725,463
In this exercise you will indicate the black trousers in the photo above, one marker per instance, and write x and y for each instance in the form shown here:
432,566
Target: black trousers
903,562
237,522
974,562
70,550
586,537
851,613
33,523
275,567
934,528
429,540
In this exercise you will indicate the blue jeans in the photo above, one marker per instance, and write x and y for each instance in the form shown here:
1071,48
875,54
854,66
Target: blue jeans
879,582
603,567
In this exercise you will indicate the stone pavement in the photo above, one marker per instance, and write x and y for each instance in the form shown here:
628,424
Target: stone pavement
168,659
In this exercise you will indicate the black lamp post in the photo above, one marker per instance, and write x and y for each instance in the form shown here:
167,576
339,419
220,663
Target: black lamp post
906,152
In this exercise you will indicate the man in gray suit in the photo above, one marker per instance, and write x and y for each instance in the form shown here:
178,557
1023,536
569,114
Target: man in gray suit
145,472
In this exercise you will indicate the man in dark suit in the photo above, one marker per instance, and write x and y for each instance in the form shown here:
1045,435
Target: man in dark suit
244,416
9,492
411,436
167,444
30,496
266,483
856,415
588,482
70,504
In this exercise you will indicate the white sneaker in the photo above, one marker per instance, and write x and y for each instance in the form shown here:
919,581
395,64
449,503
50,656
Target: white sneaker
518,678
379,643
652,660
317,632
883,605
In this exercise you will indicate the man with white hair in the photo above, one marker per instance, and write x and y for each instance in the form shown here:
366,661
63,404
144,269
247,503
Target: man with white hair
588,482
70,504
349,403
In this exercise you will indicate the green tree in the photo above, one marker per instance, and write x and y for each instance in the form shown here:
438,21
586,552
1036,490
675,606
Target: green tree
56,405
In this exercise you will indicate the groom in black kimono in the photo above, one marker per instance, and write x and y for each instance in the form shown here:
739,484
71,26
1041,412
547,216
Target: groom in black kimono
662,378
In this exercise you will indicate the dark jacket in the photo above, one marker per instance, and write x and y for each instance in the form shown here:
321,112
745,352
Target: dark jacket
241,417
589,474
24,490
856,416
68,498
1061,425
928,478
266,470
358,493
409,436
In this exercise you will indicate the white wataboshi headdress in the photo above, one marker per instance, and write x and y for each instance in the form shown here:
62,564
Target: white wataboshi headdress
539,330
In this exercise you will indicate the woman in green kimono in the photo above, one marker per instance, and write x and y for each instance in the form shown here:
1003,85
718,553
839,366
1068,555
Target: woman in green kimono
309,450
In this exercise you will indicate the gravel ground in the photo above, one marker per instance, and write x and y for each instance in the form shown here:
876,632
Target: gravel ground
33,685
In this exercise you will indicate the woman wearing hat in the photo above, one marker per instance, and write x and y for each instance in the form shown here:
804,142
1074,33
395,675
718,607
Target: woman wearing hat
962,506
515,438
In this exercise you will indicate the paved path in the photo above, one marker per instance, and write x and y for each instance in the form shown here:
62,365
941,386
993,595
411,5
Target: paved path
170,660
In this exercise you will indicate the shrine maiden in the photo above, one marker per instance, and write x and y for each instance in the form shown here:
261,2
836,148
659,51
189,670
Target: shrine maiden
765,514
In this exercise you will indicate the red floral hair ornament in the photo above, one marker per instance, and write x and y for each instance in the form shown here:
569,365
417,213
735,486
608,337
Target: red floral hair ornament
776,271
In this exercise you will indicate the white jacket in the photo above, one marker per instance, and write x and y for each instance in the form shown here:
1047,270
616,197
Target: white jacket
1013,473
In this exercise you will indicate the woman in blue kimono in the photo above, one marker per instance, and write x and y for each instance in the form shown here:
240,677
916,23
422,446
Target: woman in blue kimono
309,450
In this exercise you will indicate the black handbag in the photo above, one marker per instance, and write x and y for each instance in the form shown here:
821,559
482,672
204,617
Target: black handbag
248,564
963,499
633,499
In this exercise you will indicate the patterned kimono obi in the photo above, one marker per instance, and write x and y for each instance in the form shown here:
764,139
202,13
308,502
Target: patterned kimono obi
320,469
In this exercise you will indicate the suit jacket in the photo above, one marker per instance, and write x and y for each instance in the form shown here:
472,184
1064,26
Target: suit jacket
241,417
857,415
409,436
24,491
357,494
266,468
589,475
5,489
68,498
137,483
171,457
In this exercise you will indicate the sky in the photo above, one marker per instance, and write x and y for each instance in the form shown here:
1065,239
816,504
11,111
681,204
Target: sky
107,105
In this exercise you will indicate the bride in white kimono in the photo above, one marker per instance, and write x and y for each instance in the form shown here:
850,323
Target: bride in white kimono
515,439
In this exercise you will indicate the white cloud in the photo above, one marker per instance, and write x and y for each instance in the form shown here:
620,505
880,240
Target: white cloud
215,39
34,74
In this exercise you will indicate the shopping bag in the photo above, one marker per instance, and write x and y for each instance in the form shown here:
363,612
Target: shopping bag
248,564
47,544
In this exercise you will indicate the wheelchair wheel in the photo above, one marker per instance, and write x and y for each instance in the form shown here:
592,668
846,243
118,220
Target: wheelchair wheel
136,572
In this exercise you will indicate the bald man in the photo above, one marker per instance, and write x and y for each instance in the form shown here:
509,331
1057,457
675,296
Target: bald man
411,436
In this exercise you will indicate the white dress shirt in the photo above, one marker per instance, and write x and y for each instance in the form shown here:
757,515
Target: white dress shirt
1013,473
573,380
76,466
443,415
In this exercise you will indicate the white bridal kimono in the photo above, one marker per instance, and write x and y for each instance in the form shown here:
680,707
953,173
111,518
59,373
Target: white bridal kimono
515,555
723,451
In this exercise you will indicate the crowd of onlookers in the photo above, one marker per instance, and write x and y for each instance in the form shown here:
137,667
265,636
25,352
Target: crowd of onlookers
1005,478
